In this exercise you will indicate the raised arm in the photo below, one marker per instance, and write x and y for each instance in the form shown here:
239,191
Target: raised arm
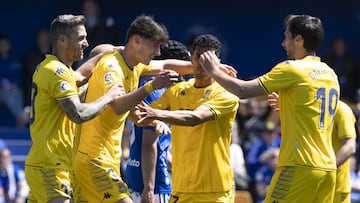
180,66
241,88
83,73
127,101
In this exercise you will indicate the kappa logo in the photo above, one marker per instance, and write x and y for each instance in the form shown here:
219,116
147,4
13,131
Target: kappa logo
275,201
107,195
59,71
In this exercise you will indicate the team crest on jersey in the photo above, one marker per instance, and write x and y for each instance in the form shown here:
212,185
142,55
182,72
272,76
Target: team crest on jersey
207,94
59,71
108,79
182,92
64,85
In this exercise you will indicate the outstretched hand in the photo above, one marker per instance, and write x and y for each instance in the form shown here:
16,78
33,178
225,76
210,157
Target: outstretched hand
145,113
165,78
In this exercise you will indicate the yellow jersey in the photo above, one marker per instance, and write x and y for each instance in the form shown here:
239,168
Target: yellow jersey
52,132
201,153
101,136
309,92
344,127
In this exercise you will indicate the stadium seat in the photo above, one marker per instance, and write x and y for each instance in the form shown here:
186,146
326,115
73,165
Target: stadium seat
243,196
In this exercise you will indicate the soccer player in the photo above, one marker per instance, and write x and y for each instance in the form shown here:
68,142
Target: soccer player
344,143
97,161
309,92
147,170
201,114
56,108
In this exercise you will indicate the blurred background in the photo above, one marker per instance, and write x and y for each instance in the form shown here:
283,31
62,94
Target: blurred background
251,31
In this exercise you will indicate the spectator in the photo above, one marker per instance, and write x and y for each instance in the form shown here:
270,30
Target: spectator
33,58
264,174
237,161
269,139
100,29
11,83
12,179
345,67
355,180
3,144
250,121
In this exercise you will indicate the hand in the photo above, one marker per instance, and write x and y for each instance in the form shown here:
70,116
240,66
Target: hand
147,196
161,128
273,100
115,92
165,78
145,113
209,61
231,71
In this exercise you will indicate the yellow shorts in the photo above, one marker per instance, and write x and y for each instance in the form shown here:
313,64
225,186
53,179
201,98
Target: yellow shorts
99,181
47,184
301,184
221,197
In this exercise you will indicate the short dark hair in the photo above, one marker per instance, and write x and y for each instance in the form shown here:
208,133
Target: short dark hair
65,24
174,50
146,27
208,41
309,27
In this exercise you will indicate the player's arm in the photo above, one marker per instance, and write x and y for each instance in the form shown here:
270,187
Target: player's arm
241,88
83,73
180,66
347,149
148,164
183,67
80,112
179,117
127,101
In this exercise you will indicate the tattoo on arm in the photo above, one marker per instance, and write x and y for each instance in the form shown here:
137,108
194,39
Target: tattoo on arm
80,112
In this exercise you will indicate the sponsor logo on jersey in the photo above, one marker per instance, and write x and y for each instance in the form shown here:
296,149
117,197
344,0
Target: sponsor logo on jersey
133,162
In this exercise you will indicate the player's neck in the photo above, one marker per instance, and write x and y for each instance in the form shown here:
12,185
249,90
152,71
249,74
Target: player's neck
201,83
